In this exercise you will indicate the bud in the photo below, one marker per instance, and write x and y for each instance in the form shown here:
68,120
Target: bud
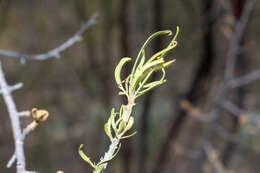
60,172
39,115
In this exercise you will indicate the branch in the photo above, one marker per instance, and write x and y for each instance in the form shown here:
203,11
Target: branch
54,53
244,80
229,106
6,91
38,115
239,32
26,131
213,158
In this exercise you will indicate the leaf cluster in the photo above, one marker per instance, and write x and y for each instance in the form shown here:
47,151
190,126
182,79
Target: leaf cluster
137,83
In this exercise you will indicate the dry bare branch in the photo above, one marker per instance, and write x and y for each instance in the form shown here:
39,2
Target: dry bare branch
54,53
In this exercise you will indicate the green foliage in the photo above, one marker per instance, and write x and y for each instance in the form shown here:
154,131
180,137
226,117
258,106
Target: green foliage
137,83
134,85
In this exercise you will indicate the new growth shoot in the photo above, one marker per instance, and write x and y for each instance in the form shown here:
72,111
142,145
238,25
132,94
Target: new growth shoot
137,83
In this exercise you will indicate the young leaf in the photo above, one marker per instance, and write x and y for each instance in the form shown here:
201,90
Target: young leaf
157,34
107,128
118,70
113,123
121,127
128,136
99,169
85,157
129,124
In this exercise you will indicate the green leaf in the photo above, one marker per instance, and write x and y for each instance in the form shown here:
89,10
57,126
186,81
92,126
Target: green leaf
112,117
126,84
99,169
129,124
155,83
157,34
122,108
118,70
107,128
160,54
158,83
167,64
140,65
85,157
121,127
141,74
128,136
147,77
176,34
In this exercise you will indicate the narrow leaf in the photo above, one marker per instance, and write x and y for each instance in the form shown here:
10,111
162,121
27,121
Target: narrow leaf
85,157
129,124
107,128
128,136
112,117
157,34
118,70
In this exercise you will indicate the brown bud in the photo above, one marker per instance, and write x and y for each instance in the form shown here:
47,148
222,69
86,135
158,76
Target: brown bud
60,172
39,115
243,119
185,104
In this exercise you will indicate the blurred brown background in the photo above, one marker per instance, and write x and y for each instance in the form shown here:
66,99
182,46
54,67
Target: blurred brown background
185,126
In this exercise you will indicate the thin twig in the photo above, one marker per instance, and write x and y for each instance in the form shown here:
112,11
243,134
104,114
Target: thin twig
24,113
213,158
26,131
235,110
237,36
116,141
244,80
16,127
54,53
6,91
239,32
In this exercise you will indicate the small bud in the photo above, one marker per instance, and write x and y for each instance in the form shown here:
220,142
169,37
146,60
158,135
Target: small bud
60,172
185,104
243,119
39,115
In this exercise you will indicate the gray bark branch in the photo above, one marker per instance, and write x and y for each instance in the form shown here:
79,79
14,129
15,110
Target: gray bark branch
54,53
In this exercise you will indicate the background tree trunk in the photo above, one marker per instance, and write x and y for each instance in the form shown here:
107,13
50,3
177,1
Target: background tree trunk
199,87
157,22
241,69
124,42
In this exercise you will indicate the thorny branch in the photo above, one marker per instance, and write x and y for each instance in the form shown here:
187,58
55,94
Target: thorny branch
6,90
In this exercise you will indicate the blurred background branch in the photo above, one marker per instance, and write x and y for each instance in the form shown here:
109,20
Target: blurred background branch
6,90
175,122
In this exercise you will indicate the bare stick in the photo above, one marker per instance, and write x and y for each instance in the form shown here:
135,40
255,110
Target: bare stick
6,91
232,108
26,131
244,80
231,57
213,158
16,127
239,32
54,53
